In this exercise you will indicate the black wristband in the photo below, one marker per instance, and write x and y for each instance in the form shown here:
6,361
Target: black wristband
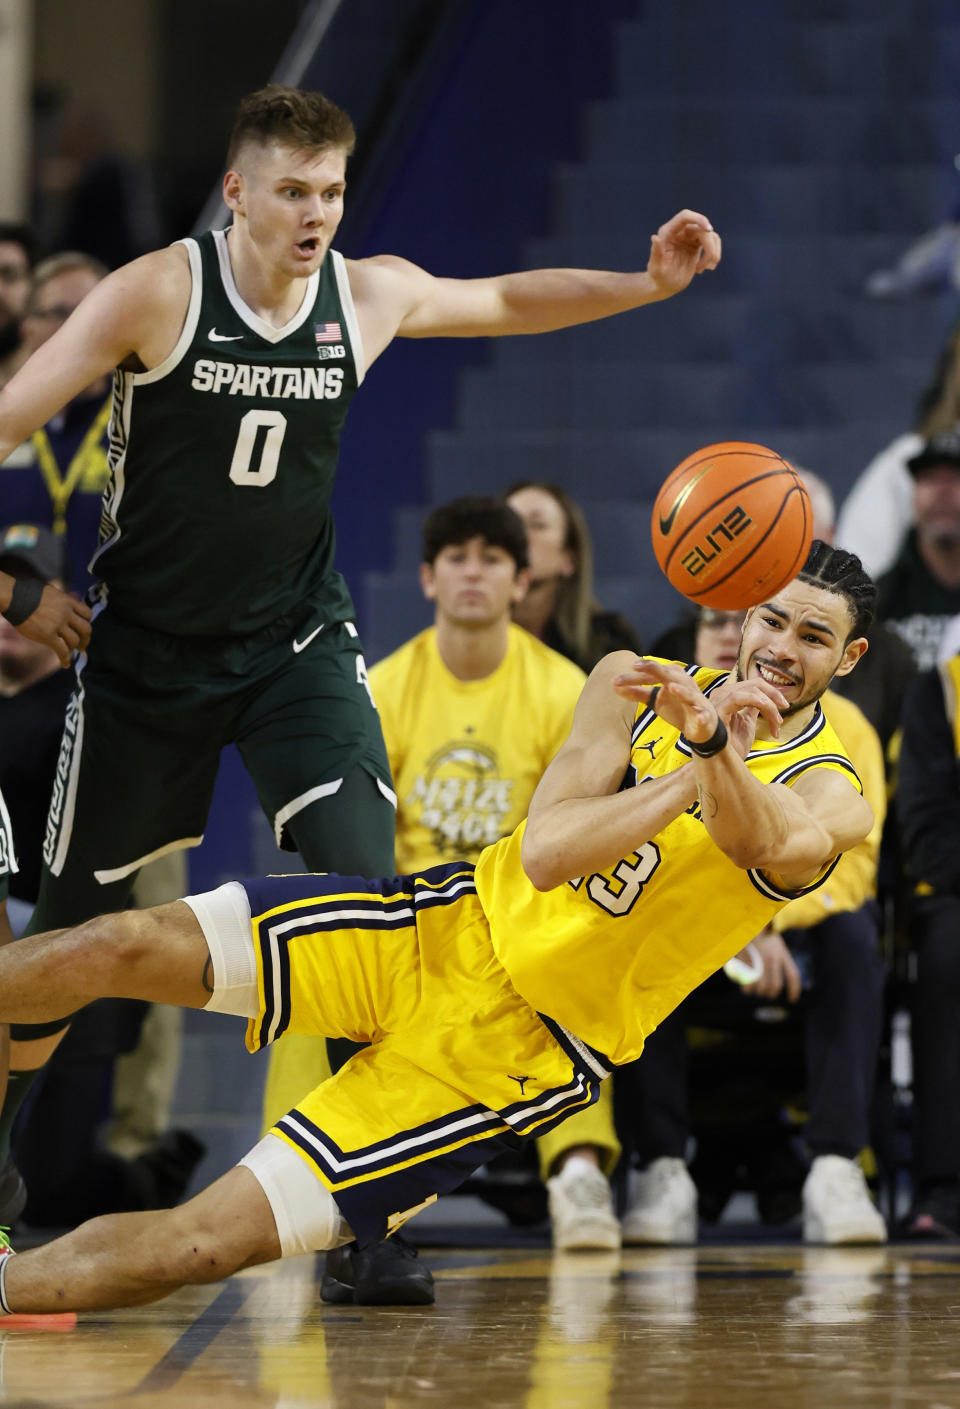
716,742
27,592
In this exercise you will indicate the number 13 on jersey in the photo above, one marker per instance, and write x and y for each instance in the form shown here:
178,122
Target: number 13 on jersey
618,892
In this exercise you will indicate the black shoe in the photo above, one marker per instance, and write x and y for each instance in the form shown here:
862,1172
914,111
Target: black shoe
13,1193
385,1274
936,1214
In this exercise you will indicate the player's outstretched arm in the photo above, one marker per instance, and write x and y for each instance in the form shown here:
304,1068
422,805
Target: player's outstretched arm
135,312
578,822
396,298
42,612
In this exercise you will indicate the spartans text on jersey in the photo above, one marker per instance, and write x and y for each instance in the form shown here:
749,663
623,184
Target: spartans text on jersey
244,379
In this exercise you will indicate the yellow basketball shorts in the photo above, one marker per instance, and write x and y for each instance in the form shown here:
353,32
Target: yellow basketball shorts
459,1066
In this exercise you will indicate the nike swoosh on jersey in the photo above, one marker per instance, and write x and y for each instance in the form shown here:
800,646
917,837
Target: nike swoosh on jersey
299,646
214,336
667,523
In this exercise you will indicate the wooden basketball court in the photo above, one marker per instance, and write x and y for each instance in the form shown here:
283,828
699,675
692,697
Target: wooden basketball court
702,1328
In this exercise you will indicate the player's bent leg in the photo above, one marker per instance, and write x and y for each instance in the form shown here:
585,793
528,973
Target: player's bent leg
269,1206
160,955
130,1259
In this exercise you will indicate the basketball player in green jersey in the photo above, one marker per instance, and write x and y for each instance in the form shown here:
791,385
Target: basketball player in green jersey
495,998
219,617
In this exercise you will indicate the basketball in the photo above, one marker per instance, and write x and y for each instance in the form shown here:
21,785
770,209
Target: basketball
732,525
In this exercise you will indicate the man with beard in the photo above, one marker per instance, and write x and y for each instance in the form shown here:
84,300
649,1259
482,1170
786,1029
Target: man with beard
921,592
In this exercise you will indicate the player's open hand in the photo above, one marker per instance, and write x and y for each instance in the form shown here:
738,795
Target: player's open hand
60,622
686,245
672,694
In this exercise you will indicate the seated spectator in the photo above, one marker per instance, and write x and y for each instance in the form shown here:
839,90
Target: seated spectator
834,931
921,592
559,608
877,513
57,477
928,809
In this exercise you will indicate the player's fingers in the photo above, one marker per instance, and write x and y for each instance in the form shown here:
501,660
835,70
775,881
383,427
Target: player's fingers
771,714
70,636
64,655
655,672
711,251
682,218
629,689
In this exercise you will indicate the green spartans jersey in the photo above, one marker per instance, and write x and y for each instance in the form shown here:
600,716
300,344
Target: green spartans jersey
216,519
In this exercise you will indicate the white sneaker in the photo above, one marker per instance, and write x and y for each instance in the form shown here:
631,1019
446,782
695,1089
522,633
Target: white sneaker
663,1204
837,1207
581,1208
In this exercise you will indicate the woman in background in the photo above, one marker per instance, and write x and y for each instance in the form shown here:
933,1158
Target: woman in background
559,608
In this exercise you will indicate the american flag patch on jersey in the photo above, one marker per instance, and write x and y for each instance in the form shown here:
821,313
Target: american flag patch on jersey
328,332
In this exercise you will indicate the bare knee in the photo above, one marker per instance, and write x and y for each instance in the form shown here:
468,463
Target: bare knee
111,948
198,1249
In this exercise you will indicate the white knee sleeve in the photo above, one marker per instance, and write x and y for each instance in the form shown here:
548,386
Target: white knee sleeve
306,1214
224,916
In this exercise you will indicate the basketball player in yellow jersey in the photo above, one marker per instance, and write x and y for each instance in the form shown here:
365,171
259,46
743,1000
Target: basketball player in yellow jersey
685,808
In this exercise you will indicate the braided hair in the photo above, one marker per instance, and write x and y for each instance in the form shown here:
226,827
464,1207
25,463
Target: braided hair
836,570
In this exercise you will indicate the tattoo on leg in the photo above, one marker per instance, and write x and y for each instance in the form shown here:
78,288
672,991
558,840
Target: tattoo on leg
708,803
208,974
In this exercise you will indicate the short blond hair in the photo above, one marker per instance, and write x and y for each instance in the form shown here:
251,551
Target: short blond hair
294,116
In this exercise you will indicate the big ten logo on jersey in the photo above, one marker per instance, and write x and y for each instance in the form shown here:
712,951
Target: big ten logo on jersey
273,383
328,354
730,527
461,799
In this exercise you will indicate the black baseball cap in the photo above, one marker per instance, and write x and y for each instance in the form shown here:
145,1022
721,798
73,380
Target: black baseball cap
30,546
943,449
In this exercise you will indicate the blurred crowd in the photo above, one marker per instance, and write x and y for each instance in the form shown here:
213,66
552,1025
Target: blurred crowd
786,1076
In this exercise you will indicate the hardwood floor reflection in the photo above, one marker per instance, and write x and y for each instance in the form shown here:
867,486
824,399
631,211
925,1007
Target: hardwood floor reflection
678,1328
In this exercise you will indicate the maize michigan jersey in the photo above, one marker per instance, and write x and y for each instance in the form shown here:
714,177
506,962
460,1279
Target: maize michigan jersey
466,755
610,955
216,519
